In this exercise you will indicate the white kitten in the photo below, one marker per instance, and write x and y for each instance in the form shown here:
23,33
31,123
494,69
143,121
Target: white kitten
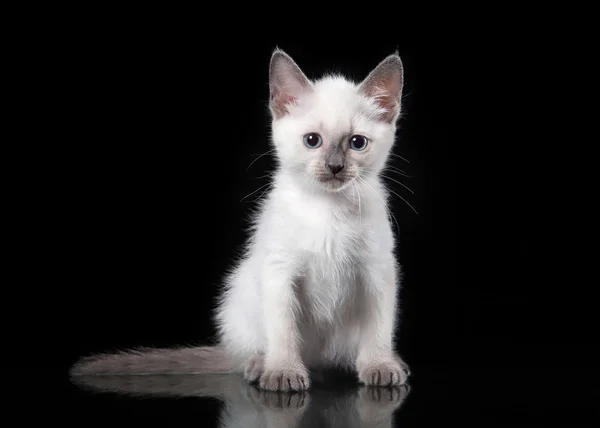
318,284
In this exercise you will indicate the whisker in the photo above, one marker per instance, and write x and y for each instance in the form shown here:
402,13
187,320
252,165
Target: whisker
389,190
261,195
387,208
250,194
269,175
260,156
359,202
396,181
404,159
392,179
395,221
397,170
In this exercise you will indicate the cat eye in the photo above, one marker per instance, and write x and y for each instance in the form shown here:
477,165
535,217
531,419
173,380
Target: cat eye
313,140
358,142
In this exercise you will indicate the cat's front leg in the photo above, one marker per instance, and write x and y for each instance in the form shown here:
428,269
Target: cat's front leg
377,363
283,367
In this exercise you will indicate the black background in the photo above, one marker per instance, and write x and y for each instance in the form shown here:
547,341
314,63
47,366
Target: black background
155,122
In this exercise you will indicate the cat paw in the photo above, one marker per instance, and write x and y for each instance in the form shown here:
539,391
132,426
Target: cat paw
254,368
284,380
404,366
383,374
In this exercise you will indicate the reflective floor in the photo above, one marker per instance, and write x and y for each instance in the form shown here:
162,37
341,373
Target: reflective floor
485,397
245,406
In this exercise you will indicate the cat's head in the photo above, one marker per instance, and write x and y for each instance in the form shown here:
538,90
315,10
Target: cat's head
332,131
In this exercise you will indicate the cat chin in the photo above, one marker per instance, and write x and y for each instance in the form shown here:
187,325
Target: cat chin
335,185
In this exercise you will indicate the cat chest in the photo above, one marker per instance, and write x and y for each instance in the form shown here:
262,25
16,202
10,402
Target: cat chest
334,254
333,257
331,240
330,285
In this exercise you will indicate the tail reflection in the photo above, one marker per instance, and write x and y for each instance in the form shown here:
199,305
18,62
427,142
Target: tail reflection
247,406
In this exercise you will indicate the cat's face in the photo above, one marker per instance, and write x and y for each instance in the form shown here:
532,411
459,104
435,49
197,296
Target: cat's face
332,132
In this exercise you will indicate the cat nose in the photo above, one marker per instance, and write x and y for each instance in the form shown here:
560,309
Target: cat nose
334,168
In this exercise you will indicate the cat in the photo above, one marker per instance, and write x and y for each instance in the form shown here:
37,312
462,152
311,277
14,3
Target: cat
247,406
318,284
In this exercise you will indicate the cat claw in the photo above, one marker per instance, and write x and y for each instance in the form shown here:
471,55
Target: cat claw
383,374
284,380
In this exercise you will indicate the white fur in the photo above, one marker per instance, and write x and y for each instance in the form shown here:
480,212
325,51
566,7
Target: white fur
318,283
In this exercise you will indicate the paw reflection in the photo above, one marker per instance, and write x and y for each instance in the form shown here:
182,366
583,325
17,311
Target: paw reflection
249,406
377,405
279,400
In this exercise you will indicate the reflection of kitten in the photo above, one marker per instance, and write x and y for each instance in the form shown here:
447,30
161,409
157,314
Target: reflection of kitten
318,283
246,406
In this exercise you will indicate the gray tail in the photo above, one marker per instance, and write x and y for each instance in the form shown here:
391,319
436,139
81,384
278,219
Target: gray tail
153,361
222,386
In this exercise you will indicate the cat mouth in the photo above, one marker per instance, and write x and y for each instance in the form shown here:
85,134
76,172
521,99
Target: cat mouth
334,182
332,179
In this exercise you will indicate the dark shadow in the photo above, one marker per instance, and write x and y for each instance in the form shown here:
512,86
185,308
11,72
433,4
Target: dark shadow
342,405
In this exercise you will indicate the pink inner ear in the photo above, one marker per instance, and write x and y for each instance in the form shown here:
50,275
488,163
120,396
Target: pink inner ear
287,88
287,85
280,101
385,87
286,92
286,99
387,100
386,95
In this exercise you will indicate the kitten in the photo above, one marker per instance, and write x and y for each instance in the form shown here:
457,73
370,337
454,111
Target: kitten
318,283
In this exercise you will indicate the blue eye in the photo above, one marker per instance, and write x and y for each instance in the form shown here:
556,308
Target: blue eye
313,140
358,142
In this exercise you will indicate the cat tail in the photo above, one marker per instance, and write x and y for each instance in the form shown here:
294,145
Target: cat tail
156,361
227,387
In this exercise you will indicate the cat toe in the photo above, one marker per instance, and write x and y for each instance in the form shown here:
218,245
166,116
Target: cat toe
383,374
254,368
284,380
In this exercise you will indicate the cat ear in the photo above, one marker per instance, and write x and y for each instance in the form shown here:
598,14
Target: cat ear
286,83
384,85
